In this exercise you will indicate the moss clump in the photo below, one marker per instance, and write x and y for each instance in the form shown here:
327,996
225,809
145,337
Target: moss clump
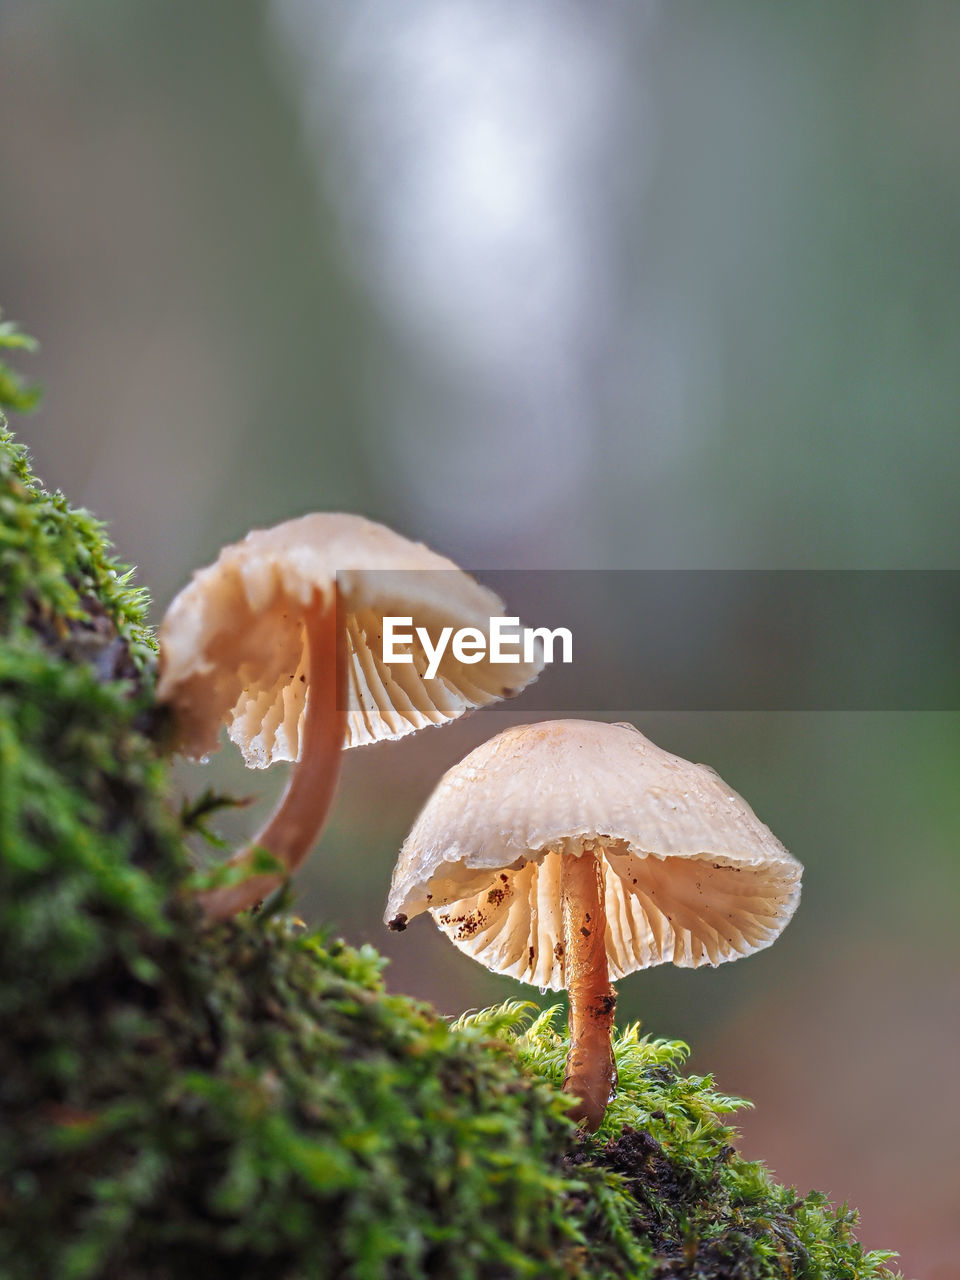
701,1208
14,394
248,1100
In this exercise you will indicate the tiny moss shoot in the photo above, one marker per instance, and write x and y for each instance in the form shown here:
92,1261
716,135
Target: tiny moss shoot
246,1099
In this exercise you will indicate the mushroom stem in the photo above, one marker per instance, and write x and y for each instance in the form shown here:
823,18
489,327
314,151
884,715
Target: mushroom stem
591,1071
300,815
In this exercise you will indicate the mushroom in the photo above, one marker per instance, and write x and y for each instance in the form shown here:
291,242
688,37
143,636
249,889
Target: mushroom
281,640
570,853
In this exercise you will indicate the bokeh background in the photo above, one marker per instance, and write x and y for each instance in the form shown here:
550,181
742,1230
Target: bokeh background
550,286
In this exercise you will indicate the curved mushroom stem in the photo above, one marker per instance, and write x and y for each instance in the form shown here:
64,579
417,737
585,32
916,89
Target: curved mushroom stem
300,815
591,1071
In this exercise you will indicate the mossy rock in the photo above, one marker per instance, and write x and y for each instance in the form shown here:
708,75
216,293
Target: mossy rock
247,1100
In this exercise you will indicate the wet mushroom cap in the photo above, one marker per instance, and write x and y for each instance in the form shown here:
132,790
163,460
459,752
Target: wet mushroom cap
232,644
692,876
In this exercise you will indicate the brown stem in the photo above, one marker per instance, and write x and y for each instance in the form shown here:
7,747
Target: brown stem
591,1072
300,815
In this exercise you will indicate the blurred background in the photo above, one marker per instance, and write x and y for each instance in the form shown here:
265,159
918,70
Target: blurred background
549,286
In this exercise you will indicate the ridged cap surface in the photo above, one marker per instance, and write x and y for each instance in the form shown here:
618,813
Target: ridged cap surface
692,875
232,645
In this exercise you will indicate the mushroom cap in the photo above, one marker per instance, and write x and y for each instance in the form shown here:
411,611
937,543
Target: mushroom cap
233,646
691,874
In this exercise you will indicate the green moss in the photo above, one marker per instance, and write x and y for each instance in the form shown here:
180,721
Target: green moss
14,394
247,1100
696,1201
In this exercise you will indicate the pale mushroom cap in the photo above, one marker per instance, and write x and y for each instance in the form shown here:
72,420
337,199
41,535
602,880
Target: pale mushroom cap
692,875
232,644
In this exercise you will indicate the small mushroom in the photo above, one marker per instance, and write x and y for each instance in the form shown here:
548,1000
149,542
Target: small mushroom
280,639
570,853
